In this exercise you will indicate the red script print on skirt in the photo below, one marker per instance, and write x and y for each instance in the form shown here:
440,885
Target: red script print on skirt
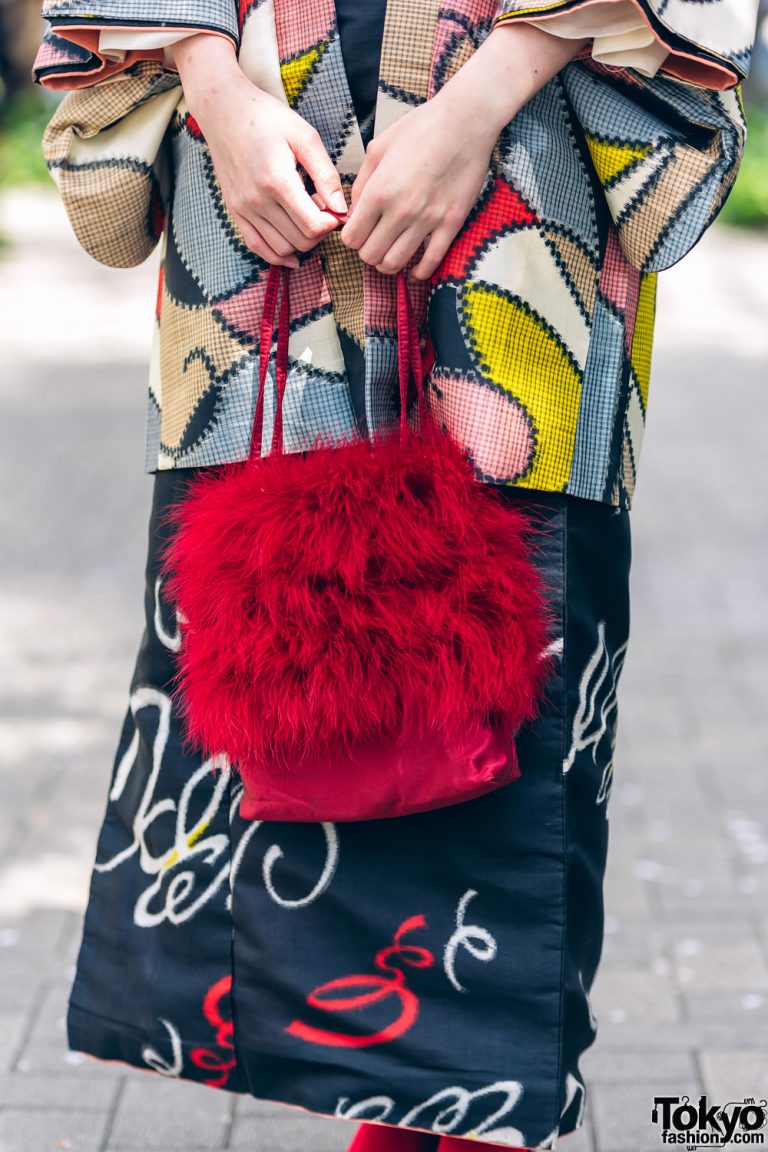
381,988
225,1034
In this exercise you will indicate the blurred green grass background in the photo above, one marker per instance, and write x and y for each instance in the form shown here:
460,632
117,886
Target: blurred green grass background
23,117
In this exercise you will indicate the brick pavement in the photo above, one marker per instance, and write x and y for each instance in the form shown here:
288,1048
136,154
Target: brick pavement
682,994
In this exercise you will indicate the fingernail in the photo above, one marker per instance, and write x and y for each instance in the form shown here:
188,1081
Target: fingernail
338,202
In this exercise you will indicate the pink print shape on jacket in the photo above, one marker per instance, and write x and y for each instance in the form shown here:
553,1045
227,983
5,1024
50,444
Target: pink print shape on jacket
469,405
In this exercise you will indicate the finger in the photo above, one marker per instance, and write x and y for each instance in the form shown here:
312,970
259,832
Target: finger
356,231
256,242
310,152
305,210
437,246
273,236
365,208
385,235
320,203
401,251
282,223
364,217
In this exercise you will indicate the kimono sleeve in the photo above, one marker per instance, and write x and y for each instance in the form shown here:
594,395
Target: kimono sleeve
708,44
108,148
665,148
617,30
70,55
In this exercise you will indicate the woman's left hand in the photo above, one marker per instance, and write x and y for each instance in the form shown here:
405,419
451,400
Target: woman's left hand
418,182
422,175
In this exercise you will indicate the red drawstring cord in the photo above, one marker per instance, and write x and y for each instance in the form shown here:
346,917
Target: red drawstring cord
278,275
410,361
409,358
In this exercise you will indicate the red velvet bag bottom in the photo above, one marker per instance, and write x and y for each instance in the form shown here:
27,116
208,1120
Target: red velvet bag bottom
414,775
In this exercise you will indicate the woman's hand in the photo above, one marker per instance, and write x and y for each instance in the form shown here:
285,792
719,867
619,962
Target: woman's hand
419,179
255,142
422,174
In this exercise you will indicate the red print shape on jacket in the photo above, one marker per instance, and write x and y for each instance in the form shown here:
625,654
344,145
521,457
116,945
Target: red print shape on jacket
501,209
377,988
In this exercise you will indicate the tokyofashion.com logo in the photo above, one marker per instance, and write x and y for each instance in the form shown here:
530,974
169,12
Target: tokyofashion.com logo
705,1125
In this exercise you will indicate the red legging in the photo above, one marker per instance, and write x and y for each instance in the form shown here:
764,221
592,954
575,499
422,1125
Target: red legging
388,1138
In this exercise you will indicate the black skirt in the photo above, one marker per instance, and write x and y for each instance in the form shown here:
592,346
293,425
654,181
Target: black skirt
431,971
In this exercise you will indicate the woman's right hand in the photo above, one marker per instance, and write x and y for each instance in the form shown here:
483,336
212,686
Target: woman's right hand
255,142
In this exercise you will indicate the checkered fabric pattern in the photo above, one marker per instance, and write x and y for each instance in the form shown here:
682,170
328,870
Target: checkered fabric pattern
116,202
214,15
541,314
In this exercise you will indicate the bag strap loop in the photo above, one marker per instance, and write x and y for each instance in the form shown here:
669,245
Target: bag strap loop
409,359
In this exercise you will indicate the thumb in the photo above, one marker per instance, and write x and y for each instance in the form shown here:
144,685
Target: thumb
311,153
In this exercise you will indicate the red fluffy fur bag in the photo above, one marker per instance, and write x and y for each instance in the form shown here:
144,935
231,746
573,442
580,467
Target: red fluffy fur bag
363,630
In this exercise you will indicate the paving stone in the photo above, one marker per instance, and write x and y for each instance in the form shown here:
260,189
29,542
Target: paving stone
732,1073
50,1018
58,874
745,1010
720,900
627,943
52,1006
13,1026
762,933
625,891
602,1065
52,1057
20,988
632,994
35,935
20,1090
321,1134
22,1130
622,1113
692,1034
706,930
160,1113
691,855
704,965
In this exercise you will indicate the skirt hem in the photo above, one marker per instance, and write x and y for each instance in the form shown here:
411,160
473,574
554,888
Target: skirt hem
117,1046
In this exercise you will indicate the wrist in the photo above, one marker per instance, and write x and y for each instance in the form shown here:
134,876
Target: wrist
466,113
514,61
525,57
207,65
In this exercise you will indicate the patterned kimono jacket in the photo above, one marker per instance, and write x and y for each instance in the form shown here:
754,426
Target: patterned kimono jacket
541,313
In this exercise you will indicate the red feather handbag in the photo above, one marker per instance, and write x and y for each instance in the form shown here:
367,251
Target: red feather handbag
363,631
